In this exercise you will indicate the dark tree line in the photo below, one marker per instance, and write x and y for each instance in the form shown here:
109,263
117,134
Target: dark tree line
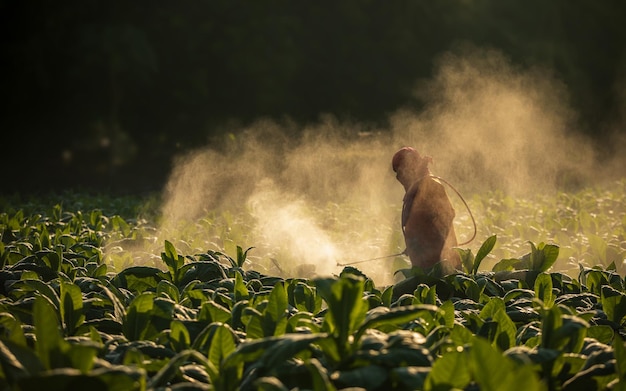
95,89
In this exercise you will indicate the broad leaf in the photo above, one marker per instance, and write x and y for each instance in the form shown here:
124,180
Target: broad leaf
483,251
320,376
346,307
450,371
71,307
179,336
495,372
50,344
138,314
619,351
613,304
222,344
395,316
543,289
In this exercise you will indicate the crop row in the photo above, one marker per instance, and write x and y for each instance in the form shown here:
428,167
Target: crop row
207,321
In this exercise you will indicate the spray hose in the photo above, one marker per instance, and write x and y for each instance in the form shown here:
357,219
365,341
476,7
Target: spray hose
466,207
404,252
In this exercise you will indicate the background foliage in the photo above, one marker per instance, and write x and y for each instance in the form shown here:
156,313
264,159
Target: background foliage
98,91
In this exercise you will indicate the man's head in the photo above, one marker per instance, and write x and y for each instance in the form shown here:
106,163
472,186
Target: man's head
409,166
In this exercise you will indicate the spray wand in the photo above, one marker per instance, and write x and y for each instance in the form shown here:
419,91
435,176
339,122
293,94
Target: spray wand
371,259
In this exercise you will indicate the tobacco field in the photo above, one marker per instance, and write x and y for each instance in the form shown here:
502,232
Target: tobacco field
539,305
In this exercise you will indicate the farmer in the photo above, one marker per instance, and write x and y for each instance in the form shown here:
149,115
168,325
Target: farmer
427,214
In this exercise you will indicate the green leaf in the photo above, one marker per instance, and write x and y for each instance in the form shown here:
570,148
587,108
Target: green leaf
179,336
601,333
369,377
346,307
168,371
508,265
483,251
95,218
13,327
99,271
489,368
302,321
138,314
214,312
450,371
52,259
114,295
550,255
120,224
543,289
277,305
201,271
550,323
71,307
18,361
116,378
460,335
467,260
613,304
505,331
173,260
396,316
542,257
619,351
571,335
411,378
466,286
446,311
319,375
303,297
41,289
387,296
50,344
425,294
242,256
222,344
269,316
241,291
287,346
493,306
171,254
250,350
494,372
269,383
166,288
254,323
202,341
139,278
82,355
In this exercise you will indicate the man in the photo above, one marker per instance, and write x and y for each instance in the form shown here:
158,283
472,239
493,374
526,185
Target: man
427,214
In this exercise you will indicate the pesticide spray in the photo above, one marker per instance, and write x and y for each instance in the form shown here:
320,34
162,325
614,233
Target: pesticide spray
329,193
